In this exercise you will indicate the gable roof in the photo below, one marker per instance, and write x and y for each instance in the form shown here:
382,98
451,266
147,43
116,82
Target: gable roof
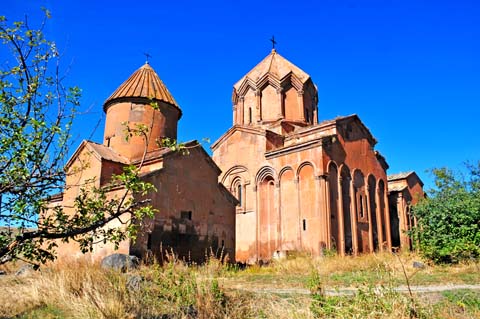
101,152
107,153
403,175
397,176
235,128
143,83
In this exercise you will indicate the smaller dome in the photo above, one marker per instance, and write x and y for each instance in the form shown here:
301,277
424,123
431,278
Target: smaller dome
143,83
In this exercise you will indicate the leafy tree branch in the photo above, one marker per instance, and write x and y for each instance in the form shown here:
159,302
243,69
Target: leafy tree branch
36,117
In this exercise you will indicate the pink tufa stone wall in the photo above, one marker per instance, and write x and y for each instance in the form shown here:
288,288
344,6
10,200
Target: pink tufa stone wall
163,123
196,215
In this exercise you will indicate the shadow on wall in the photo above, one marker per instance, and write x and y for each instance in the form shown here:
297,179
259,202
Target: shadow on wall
180,237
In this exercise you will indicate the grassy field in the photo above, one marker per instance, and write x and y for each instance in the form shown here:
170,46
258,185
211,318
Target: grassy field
291,288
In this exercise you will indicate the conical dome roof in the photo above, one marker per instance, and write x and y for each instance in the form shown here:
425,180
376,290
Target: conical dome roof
143,83
276,65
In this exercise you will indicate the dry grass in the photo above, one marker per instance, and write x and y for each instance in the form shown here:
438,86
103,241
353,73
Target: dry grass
364,270
81,290
175,290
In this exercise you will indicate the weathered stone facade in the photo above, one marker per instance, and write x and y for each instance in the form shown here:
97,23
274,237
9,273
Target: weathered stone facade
302,185
284,182
195,212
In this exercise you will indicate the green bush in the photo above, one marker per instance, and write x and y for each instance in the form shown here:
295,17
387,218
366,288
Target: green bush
448,221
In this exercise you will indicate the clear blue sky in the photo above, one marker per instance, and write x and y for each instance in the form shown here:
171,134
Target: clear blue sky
409,68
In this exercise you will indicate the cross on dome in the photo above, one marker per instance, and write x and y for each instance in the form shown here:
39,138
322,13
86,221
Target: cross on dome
273,42
147,55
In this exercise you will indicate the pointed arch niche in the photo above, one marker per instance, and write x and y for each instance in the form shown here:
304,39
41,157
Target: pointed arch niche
237,189
237,180
267,216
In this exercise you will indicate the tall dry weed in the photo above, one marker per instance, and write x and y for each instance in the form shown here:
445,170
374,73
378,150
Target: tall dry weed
80,290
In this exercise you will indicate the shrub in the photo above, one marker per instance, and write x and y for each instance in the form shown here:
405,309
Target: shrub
448,228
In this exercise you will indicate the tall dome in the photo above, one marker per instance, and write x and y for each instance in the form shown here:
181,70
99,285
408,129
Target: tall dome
275,89
142,99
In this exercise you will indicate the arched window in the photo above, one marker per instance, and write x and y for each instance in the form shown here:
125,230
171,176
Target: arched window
239,193
237,190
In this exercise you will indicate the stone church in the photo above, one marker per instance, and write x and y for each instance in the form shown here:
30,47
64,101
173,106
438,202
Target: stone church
190,219
304,185
279,181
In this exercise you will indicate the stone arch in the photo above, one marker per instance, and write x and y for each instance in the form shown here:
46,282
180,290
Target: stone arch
267,215
237,181
372,205
284,170
303,164
244,87
235,170
334,218
289,213
264,172
361,211
292,80
269,80
346,203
